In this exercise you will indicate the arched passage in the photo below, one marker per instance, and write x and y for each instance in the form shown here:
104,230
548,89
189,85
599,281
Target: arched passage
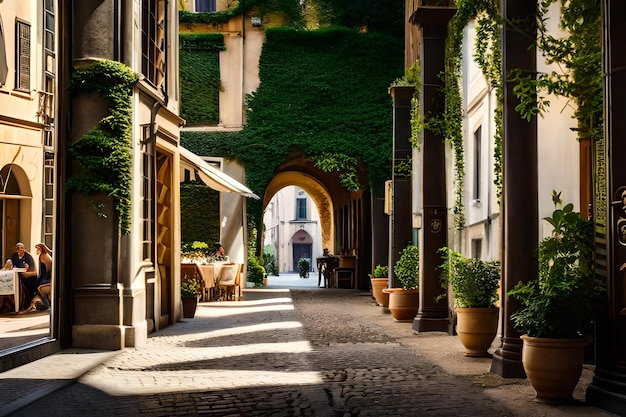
15,208
318,193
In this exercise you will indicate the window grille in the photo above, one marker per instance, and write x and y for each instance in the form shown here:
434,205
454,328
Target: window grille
147,190
477,163
23,56
48,202
153,42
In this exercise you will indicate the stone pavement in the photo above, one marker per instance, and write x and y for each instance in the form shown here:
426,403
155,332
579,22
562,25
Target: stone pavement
304,352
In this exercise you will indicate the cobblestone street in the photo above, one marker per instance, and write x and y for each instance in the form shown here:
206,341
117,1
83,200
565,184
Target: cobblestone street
335,354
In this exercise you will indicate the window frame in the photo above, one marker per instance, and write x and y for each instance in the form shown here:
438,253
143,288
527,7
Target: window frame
301,206
23,55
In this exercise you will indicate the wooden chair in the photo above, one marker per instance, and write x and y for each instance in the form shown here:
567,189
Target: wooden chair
228,281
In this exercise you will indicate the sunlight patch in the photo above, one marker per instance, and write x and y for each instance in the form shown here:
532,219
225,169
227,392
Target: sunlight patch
141,382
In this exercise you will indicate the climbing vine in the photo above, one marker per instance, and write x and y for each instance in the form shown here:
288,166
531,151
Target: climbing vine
104,152
343,164
578,56
199,59
488,57
329,105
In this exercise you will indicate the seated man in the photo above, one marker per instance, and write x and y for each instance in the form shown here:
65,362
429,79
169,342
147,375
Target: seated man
22,259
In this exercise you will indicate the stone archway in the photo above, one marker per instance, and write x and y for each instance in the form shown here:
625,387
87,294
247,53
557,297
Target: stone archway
15,208
318,193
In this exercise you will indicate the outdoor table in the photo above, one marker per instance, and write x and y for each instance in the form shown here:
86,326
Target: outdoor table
208,274
10,284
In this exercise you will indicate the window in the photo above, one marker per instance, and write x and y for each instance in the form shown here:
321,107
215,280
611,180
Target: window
147,190
301,209
205,6
22,74
48,200
49,28
477,166
153,42
477,246
4,68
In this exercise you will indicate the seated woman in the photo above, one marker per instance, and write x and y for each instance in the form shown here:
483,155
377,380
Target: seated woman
41,299
219,253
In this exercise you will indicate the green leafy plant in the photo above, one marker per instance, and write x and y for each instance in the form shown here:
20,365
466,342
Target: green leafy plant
343,164
407,267
190,288
380,271
256,271
559,303
195,251
474,282
304,265
270,261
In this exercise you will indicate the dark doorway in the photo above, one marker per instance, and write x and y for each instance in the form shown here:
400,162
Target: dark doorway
302,250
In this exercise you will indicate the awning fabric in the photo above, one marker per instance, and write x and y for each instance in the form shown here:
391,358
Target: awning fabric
213,177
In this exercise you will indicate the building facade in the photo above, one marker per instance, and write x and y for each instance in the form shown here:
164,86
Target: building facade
115,266
292,229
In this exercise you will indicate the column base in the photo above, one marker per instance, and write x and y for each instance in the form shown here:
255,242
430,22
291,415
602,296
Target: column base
421,324
606,391
507,359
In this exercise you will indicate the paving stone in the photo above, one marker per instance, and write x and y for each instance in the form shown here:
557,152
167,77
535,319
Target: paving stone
322,352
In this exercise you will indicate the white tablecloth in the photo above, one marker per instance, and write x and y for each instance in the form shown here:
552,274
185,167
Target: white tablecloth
10,285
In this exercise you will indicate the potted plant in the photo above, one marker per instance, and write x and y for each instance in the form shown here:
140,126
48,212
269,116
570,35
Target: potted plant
557,307
404,302
303,266
379,279
189,292
474,285
256,272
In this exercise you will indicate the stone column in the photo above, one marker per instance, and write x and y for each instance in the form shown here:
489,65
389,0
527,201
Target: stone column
520,208
94,237
400,221
379,227
433,233
607,388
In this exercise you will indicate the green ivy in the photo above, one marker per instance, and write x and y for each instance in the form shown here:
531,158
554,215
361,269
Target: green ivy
343,164
199,59
488,57
104,152
199,213
579,55
323,95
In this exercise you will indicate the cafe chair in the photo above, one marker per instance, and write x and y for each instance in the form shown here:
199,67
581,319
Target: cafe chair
228,281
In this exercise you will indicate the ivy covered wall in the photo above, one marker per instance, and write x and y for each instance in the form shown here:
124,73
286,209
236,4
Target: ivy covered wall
200,77
199,213
322,91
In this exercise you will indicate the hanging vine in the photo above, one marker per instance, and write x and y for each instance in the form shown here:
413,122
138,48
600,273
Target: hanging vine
488,57
578,56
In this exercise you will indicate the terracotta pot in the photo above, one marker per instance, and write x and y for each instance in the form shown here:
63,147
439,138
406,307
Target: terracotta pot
189,307
553,366
477,327
378,284
403,304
